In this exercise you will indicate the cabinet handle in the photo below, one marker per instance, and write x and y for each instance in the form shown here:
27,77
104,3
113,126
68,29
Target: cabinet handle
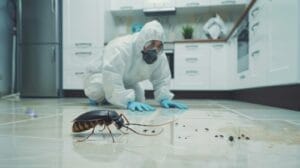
191,60
228,2
254,11
53,55
255,25
255,53
79,73
191,72
83,45
218,46
53,6
191,46
126,7
83,53
242,77
192,4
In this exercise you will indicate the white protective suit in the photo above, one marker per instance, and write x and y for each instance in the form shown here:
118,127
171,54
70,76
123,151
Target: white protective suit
116,76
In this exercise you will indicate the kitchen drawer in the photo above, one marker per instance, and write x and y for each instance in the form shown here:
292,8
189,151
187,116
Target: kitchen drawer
192,79
190,49
188,62
80,57
73,78
194,55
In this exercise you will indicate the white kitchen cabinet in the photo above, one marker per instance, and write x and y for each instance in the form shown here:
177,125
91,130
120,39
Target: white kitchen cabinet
158,3
83,23
119,5
258,63
259,22
227,2
259,42
192,66
284,38
75,62
219,69
192,3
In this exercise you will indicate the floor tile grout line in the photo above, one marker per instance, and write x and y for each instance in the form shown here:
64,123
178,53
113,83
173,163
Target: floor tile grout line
254,119
292,122
42,106
235,111
33,137
28,157
21,121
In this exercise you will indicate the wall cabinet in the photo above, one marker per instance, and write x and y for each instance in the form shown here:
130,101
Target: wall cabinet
192,3
116,5
83,22
158,3
123,5
228,2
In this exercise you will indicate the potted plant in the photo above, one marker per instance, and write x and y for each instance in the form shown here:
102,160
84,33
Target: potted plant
187,32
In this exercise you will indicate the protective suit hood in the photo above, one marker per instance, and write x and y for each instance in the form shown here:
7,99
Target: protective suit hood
151,31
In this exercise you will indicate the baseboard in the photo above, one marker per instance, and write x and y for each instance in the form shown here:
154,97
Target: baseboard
278,96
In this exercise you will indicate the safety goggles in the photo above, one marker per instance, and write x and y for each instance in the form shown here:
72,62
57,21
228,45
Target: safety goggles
154,44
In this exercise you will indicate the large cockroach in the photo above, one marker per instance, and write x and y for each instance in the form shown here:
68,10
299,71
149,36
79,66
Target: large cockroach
91,119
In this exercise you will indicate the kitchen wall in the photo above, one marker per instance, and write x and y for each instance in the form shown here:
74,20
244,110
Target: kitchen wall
173,24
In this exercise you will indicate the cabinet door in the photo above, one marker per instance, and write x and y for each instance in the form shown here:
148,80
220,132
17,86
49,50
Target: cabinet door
236,79
228,2
117,5
192,66
39,21
258,63
259,22
284,27
192,3
83,23
219,58
75,62
40,70
158,3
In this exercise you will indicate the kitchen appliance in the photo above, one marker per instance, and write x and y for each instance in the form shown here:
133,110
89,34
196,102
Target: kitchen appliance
39,48
170,56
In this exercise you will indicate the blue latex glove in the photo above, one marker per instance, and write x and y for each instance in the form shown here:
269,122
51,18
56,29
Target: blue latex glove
171,104
138,106
93,102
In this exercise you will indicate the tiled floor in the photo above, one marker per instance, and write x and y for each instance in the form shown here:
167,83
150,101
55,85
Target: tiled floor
189,140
